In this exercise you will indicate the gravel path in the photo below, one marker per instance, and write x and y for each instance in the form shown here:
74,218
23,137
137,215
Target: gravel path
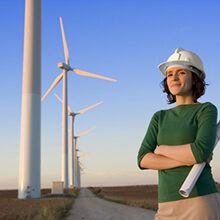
88,207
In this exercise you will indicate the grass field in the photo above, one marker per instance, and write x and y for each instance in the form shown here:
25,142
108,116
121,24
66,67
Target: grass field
47,208
140,196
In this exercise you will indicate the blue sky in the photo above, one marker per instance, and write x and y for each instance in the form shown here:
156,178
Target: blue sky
123,39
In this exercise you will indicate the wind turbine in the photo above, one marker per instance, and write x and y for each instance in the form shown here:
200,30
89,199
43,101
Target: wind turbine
72,142
77,171
66,68
79,168
29,164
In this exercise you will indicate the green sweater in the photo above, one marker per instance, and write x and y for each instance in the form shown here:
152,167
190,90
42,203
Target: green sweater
183,124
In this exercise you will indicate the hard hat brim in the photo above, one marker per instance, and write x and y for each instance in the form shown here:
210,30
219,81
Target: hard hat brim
163,66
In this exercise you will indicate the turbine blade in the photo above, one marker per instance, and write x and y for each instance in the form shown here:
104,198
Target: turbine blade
84,153
66,51
60,100
93,75
55,82
81,134
89,108
69,109
81,166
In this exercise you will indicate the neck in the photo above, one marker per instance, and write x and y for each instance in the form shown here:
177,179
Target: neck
184,100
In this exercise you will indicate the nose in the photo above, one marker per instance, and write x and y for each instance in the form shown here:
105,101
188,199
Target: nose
175,76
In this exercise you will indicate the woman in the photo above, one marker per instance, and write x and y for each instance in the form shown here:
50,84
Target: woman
180,137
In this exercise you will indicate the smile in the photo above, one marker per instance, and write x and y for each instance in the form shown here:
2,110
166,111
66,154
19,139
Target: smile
175,85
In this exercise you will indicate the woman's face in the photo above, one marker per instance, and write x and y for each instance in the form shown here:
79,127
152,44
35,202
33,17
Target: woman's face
179,81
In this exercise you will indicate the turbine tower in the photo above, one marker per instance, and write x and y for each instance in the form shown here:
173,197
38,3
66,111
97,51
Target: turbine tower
29,164
72,147
76,166
65,68
79,168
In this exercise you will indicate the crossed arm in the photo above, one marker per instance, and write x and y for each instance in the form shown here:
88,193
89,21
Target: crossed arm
166,157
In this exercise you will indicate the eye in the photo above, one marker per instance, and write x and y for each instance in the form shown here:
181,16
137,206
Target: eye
182,72
169,74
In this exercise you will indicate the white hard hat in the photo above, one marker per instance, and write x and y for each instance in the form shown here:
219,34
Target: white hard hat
184,58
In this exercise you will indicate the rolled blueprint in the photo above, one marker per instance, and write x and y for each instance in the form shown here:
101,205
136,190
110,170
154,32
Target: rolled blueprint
195,172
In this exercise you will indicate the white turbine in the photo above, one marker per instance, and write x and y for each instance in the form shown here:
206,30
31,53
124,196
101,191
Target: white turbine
80,168
65,68
77,169
72,142
29,164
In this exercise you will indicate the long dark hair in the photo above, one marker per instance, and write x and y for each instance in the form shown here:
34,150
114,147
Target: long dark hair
198,88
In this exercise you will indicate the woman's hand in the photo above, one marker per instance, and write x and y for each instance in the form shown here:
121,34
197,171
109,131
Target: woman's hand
156,151
159,149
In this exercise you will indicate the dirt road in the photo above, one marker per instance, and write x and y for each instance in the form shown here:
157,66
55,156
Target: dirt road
88,207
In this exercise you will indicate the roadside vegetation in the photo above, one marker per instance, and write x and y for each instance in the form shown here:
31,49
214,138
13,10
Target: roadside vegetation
49,207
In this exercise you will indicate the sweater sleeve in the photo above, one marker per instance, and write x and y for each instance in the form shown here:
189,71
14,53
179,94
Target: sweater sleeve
150,140
206,134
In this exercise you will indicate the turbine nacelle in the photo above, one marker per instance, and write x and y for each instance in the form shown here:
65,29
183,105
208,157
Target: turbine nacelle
64,66
73,114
